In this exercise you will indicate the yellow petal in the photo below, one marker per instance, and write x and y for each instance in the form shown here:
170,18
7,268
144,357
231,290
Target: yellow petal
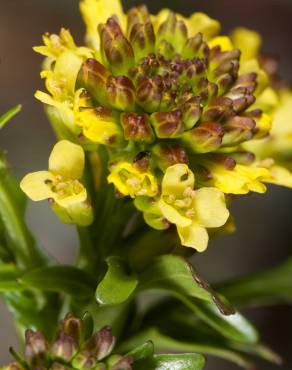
280,176
223,41
177,179
99,128
172,215
194,236
210,207
263,125
36,185
267,101
66,113
248,41
252,65
95,12
241,180
67,160
200,22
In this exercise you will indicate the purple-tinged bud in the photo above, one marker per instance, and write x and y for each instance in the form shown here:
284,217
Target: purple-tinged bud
64,347
167,155
243,157
116,49
219,57
102,343
73,327
168,124
191,111
149,93
195,47
173,31
137,127
248,81
84,360
93,77
241,98
218,108
121,93
36,347
226,161
141,31
204,138
237,130
120,363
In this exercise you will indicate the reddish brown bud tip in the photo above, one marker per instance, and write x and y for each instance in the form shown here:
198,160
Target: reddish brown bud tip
237,130
167,155
168,124
121,93
137,127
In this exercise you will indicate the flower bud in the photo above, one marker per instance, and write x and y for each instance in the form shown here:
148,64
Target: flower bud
195,47
241,98
137,127
173,31
36,347
93,77
116,49
191,110
168,124
102,343
167,155
117,362
149,93
141,32
72,326
217,109
64,347
237,130
204,138
121,93
84,360
263,123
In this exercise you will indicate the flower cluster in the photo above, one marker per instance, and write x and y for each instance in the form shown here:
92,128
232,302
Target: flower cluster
175,105
75,347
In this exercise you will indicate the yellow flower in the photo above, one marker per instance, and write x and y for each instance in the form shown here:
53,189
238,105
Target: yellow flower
192,211
248,41
132,181
61,185
239,180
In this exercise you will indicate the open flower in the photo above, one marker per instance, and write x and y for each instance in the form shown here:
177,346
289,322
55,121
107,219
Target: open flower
192,211
61,185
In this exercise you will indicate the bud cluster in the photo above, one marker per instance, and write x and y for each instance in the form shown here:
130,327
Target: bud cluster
74,347
157,91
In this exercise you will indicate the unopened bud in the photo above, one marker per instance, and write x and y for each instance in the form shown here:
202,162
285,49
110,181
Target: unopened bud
121,93
149,93
243,157
218,108
72,326
241,98
168,124
167,155
84,360
93,77
137,127
120,363
191,110
204,138
64,347
237,130
102,343
173,31
195,47
140,31
116,49
36,347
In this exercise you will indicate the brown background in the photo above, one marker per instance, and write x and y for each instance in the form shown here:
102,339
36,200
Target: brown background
264,221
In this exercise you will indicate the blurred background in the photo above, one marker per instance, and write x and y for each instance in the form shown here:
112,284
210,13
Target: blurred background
264,221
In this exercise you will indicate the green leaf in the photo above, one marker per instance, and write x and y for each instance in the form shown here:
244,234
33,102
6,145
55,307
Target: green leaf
183,361
63,279
235,327
173,274
163,343
117,285
8,115
267,287
8,278
144,351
